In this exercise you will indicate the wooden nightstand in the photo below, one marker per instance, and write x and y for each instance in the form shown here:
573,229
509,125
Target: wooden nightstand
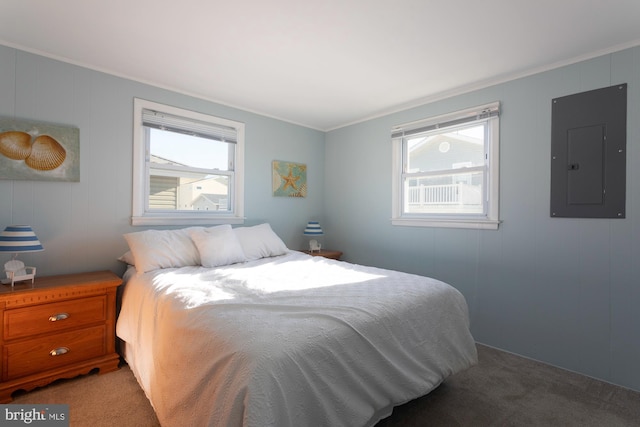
57,327
325,253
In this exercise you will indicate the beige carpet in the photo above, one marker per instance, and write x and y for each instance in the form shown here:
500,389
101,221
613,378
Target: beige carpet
502,390
111,400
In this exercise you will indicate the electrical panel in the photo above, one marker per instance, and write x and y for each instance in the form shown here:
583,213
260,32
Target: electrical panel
588,154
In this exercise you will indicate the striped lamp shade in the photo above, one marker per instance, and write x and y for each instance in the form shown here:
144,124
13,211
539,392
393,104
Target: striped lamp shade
18,239
313,229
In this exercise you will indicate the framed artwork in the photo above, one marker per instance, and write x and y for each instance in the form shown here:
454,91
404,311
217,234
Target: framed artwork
33,150
289,179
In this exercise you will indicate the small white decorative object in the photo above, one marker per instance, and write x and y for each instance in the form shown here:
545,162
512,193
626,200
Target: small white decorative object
314,245
17,272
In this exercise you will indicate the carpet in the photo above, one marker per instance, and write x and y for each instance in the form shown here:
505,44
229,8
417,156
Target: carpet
502,390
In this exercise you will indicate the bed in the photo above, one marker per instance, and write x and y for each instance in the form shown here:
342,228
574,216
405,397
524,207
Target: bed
228,327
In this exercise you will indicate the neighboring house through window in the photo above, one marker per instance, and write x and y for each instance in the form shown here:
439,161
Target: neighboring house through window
188,167
445,170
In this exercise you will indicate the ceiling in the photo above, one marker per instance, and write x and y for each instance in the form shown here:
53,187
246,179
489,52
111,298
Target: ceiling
324,63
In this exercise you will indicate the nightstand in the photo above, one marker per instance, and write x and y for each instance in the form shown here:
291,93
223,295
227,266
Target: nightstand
325,253
57,327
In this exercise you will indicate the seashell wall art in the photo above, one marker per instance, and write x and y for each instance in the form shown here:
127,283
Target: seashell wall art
33,150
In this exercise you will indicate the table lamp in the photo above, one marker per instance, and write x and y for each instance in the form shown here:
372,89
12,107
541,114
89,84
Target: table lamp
18,239
313,229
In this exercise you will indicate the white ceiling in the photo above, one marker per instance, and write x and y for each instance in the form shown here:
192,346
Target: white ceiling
320,63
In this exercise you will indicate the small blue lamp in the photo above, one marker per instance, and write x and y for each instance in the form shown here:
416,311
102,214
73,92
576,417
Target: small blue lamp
18,239
313,229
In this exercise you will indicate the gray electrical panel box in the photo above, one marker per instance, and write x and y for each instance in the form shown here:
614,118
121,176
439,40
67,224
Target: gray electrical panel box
588,154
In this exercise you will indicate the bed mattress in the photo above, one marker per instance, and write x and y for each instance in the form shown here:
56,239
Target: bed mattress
292,340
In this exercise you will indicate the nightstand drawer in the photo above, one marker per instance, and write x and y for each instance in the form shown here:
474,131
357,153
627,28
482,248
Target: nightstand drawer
37,355
54,317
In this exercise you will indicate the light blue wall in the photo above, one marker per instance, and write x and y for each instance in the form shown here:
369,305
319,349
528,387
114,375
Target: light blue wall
81,224
563,291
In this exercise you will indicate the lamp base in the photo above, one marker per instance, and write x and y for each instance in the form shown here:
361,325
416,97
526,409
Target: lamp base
314,246
17,272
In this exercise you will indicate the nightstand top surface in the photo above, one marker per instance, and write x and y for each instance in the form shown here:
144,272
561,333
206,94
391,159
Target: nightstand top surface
48,282
327,253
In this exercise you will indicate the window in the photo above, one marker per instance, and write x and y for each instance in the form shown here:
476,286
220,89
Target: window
445,170
188,167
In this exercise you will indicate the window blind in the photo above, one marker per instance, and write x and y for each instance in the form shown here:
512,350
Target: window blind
169,122
447,120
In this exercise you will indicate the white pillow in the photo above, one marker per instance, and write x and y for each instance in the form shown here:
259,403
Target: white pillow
217,246
154,249
127,257
260,241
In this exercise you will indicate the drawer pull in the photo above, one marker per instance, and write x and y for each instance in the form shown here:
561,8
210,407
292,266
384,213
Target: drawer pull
59,316
59,351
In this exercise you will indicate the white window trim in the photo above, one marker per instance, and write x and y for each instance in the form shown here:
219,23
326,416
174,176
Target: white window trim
490,221
140,215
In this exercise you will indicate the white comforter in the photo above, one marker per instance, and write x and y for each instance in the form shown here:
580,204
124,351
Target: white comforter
290,341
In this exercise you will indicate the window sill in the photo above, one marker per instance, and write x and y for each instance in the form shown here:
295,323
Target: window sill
478,224
185,220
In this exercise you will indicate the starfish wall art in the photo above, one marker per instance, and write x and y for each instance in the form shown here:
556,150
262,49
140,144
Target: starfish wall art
289,179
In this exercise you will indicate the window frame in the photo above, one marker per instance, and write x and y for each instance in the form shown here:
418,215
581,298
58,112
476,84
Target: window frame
488,220
141,214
